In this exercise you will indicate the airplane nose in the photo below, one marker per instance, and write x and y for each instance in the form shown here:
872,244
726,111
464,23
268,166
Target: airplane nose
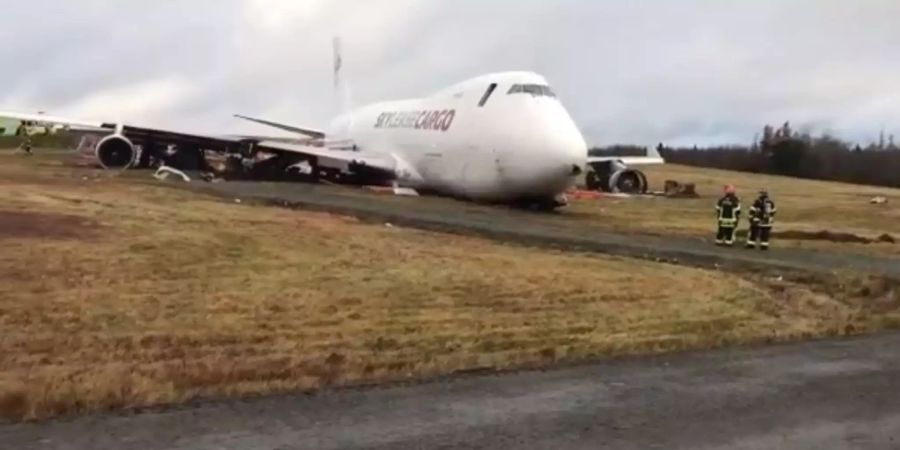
548,153
567,147
557,157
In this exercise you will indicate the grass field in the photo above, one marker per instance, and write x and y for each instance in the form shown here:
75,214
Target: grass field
803,205
118,294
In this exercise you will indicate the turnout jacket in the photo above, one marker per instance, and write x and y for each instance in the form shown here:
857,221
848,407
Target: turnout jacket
762,213
728,210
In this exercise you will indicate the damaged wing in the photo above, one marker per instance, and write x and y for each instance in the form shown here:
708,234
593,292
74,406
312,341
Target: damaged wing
653,157
309,132
116,147
335,157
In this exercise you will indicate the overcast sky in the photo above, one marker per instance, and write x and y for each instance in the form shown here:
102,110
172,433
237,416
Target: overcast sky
676,71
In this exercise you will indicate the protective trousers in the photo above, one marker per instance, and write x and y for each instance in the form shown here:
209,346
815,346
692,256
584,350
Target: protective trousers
759,235
725,236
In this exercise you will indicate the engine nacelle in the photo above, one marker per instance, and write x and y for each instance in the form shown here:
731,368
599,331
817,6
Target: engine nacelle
628,181
613,176
115,152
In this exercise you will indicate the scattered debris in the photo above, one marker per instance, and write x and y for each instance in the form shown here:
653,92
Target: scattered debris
210,177
879,200
379,189
405,191
675,189
582,194
164,172
616,195
392,190
302,167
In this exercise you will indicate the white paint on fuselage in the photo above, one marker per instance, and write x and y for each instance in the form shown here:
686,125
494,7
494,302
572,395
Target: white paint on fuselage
515,146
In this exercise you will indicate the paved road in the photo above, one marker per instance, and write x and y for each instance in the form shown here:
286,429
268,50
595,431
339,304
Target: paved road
821,395
558,230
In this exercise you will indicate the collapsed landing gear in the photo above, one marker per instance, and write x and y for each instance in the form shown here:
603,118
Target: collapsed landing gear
188,158
542,204
276,168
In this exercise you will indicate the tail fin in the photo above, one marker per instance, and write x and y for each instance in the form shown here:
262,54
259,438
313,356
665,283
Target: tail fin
341,87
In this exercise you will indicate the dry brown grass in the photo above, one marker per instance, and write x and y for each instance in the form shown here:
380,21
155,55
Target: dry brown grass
803,205
179,296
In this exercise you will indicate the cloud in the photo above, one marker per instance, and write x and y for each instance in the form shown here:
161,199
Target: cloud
678,71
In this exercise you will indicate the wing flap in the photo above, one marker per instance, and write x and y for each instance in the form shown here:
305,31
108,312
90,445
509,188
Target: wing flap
344,156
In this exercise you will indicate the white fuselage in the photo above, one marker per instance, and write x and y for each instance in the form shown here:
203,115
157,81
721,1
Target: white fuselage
519,142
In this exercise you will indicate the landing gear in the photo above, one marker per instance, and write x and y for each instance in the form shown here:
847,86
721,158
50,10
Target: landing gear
280,168
543,204
188,158
593,181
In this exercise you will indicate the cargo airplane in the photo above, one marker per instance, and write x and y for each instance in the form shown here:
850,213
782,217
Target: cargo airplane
502,137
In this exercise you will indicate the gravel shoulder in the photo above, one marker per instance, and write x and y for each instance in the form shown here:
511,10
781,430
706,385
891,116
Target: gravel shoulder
824,395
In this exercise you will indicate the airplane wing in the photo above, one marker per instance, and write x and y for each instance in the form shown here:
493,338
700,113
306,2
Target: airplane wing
86,124
121,139
370,160
137,135
653,157
316,134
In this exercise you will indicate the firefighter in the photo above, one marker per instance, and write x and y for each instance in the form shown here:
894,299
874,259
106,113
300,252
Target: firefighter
26,146
728,212
22,130
762,217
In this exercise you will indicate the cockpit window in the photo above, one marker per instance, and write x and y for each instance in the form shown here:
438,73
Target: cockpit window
536,90
487,94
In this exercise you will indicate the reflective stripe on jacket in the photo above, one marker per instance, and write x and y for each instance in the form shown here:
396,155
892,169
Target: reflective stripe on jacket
728,210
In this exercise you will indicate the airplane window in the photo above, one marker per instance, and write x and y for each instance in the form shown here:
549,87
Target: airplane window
536,90
487,94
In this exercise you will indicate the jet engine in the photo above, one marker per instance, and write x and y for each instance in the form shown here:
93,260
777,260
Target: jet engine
115,152
613,176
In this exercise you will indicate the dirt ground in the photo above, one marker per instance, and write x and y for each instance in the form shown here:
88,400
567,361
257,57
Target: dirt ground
825,395
22,224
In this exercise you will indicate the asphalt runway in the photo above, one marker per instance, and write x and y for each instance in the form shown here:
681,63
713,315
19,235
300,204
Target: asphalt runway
559,229
814,395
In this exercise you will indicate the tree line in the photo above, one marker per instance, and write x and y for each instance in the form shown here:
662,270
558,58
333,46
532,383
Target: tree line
785,152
